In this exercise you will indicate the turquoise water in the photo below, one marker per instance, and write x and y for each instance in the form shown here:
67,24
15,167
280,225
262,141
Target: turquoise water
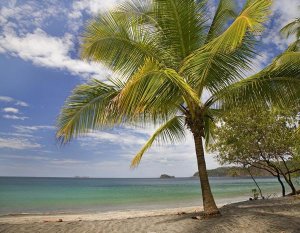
69,195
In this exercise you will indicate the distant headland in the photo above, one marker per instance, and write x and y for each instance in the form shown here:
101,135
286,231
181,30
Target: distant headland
165,176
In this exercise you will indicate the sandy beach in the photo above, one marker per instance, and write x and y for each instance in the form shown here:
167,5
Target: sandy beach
273,215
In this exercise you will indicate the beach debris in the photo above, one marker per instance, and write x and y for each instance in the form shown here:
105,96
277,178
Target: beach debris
181,213
59,220
196,217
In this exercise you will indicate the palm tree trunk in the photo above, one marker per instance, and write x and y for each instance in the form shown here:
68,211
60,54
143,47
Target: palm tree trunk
209,205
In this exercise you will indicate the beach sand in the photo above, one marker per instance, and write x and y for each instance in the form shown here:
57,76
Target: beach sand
273,215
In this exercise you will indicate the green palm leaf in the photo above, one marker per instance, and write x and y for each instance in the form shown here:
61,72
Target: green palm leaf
86,109
278,84
225,11
292,28
170,132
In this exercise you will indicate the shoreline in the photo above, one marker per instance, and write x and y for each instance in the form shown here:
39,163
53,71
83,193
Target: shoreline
130,212
100,216
271,215
19,218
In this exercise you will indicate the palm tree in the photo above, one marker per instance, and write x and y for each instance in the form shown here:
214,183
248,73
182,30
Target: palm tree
166,55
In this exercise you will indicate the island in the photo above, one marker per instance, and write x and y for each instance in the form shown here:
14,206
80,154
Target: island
165,176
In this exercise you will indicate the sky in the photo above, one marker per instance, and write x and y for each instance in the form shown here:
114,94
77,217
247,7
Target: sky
39,67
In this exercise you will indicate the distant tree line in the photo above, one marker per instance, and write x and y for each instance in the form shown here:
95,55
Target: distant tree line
235,171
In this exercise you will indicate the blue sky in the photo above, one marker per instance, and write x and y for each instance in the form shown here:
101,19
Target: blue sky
39,63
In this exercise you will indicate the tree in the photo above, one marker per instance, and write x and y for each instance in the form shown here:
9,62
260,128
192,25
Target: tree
264,138
165,57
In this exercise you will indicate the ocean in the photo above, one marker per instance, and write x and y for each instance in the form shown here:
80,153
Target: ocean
19,195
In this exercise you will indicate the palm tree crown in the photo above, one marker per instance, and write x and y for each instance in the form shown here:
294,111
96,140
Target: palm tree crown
166,55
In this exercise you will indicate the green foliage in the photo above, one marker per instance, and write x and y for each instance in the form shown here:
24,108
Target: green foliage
165,57
234,171
292,28
257,137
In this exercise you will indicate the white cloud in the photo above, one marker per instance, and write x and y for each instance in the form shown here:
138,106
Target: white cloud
22,35
18,135
49,51
31,129
120,138
23,157
8,99
11,110
14,117
48,160
18,143
92,7
128,142
283,13
21,103
23,15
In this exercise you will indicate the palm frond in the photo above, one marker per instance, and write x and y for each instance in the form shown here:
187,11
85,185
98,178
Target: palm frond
121,43
217,70
292,28
278,84
182,24
154,89
250,20
294,47
223,59
225,11
86,109
170,132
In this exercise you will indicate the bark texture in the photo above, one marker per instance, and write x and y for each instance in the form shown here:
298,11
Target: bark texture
210,207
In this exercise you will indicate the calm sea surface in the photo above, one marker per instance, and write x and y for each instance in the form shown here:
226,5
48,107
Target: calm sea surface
74,195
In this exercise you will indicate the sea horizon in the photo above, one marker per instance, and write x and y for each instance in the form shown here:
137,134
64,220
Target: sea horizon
157,177
51,195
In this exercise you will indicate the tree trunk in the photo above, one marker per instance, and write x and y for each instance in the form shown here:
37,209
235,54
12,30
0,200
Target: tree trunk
282,185
209,205
248,169
290,183
289,179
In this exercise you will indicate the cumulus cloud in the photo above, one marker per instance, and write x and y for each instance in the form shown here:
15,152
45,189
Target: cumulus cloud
11,110
121,138
31,129
49,51
11,113
48,160
130,140
23,35
8,99
92,7
18,143
282,13
14,117
23,15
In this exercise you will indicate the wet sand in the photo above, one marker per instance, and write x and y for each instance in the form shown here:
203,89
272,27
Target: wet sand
273,215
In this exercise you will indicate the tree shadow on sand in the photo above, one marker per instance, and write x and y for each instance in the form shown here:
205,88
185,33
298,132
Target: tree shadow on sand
256,216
